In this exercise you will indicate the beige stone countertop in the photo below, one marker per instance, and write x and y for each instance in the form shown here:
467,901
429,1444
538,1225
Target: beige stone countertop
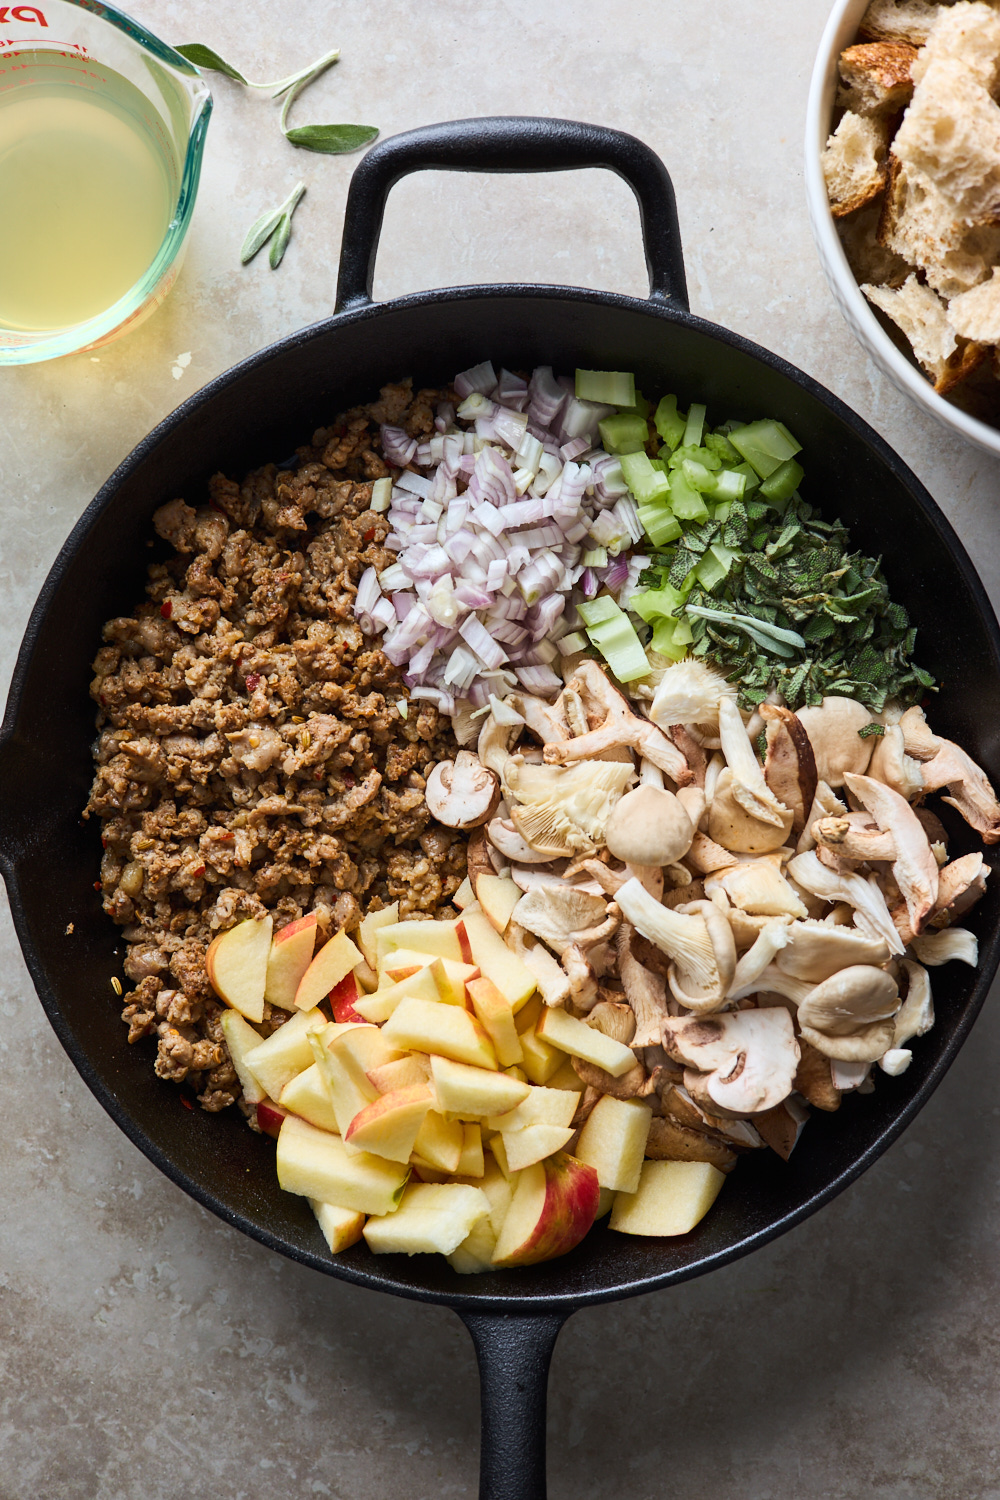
148,1351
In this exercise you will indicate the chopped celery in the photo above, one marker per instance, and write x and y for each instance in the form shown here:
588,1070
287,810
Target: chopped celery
652,603
597,611
721,511
714,565
616,640
659,463
671,638
659,525
641,405
569,645
645,482
729,485
695,426
685,502
765,445
597,557
723,449
691,453
698,477
625,432
783,482
750,475
609,387
669,422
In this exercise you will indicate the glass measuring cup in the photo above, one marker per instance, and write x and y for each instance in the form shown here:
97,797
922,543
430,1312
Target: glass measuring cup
102,132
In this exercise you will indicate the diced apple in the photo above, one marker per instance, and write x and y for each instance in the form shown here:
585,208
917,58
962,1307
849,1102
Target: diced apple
366,977
380,1006
567,1078
464,896
538,1106
387,917
553,1206
534,1143
497,895
368,1046
430,1218
465,1090
494,1011
335,959
475,1253
526,1019
471,1162
518,1073
343,997
496,1145
451,979
236,965
290,956
540,1061
270,1117
318,1165
672,1197
241,1039
275,1061
345,1076
439,939
444,1029
307,1095
561,1029
512,978
605,1203
613,1141
408,1072
440,1142
388,1126
499,1189
341,1227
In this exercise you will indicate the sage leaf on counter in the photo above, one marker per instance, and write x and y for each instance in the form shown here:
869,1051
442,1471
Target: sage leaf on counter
204,57
277,222
334,140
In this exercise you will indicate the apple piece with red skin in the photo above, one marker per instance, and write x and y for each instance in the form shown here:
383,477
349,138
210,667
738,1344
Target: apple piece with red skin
270,1117
290,956
463,942
335,959
342,998
236,965
554,1204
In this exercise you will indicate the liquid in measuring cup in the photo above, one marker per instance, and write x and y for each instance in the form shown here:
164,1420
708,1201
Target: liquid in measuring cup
88,184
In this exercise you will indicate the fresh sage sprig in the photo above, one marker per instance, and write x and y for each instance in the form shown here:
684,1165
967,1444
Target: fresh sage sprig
276,222
332,140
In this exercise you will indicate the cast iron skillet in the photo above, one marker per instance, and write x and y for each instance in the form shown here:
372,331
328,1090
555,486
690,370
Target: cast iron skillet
258,412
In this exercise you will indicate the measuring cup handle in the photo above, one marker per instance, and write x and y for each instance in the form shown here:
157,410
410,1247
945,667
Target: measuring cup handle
512,143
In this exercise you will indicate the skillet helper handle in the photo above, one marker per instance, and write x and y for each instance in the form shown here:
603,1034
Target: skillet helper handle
514,1351
510,143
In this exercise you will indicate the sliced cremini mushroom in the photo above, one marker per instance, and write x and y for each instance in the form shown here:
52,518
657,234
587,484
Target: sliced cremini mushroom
478,857
629,1086
670,1141
960,885
645,991
891,764
648,826
789,765
872,913
698,940
914,869
677,1104
814,1079
833,729
738,1063
462,793
815,950
622,726
782,1126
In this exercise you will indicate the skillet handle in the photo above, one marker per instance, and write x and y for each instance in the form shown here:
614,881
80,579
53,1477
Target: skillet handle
510,143
514,1351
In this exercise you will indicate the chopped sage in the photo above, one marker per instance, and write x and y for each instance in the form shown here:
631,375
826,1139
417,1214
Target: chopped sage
872,729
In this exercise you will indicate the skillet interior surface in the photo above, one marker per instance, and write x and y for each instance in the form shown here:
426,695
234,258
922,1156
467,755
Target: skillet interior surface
258,413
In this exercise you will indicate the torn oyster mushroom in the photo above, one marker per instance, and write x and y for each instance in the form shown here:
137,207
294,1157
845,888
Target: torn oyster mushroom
960,885
826,804
572,923
891,764
697,938
757,886
749,788
871,912
462,793
950,943
914,869
814,951
945,764
854,836
553,983
733,828
561,811
833,728
789,764
850,1016
737,1063
622,727
645,991
689,693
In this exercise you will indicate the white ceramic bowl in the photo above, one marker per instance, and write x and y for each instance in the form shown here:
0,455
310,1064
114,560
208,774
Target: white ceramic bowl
840,33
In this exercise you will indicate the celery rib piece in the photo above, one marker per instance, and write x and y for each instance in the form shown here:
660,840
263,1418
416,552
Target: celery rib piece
607,387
